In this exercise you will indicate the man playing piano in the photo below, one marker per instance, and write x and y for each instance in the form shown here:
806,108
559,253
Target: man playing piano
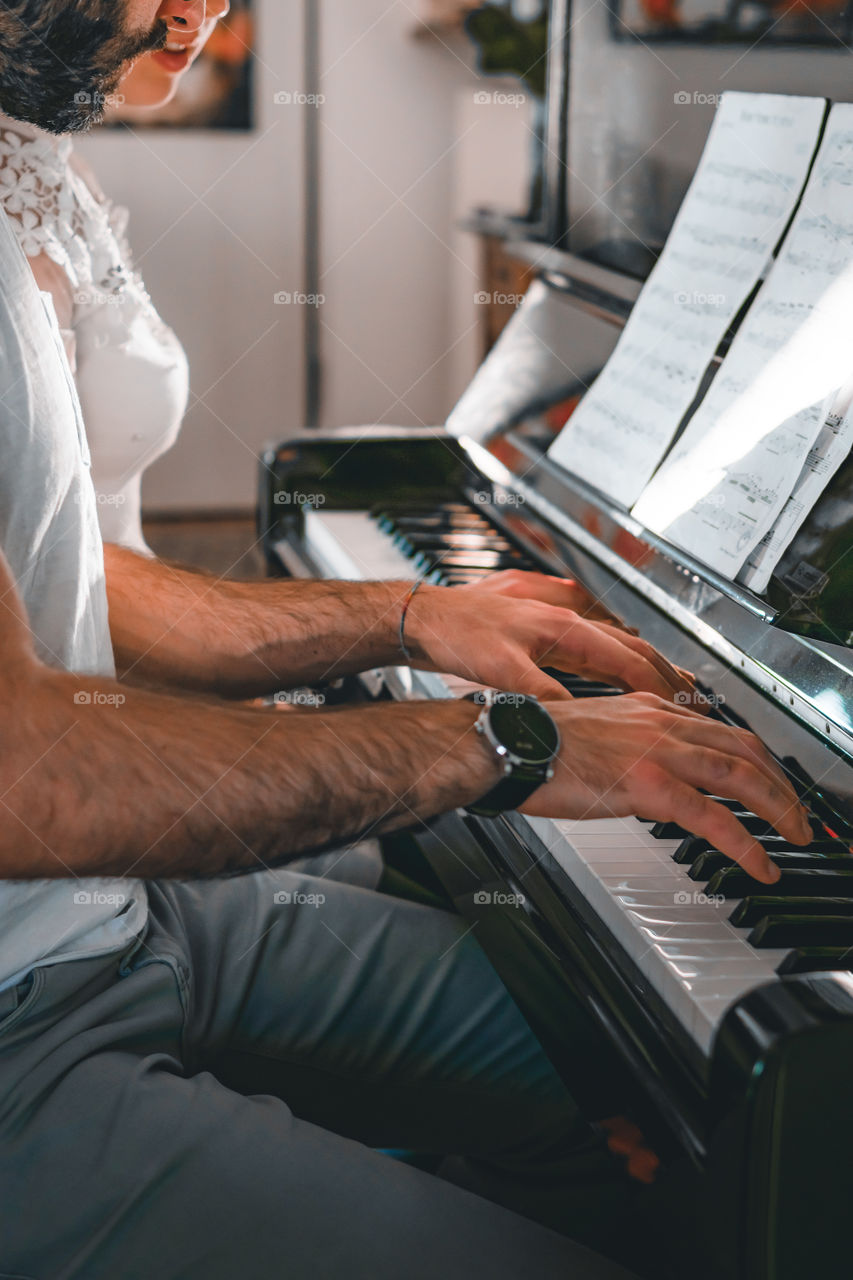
195,1064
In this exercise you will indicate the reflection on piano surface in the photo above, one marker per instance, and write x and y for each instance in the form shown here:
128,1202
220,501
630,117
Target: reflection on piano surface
663,982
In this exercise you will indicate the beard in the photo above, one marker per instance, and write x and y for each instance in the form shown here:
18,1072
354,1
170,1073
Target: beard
61,61
113,63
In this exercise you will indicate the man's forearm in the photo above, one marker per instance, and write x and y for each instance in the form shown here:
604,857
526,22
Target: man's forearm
173,626
159,786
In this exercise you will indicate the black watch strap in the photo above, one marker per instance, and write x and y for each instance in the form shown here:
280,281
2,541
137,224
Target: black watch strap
510,793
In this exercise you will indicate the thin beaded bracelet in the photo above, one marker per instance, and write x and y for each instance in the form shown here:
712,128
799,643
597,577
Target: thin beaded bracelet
403,649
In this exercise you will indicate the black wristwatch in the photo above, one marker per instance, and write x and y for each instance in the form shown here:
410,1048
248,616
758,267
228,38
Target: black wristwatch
526,739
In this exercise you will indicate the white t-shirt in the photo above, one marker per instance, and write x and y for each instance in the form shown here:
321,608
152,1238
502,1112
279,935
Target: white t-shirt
49,535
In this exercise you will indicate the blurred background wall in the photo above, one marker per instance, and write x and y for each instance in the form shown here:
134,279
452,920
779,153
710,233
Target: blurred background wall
217,227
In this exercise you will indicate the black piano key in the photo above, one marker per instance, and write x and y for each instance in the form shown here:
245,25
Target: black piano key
435,522
587,688
802,931
734,882
695,846
756,826
493,560
469,540
456,577
416,510
816,959
711,861
758,905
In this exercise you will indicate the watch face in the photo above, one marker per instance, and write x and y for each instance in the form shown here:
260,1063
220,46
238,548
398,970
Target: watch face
525,729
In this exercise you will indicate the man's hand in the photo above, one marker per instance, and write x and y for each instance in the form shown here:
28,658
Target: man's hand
638,754
502,631
566,593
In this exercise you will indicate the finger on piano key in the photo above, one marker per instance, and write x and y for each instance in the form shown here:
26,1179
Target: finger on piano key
704,751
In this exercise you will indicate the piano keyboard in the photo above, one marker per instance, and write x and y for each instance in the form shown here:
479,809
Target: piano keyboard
699,930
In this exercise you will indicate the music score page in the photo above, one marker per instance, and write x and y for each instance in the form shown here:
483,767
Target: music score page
762,430
741,198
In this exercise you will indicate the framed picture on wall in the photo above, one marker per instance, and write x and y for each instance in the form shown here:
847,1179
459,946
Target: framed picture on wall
752,22
216,91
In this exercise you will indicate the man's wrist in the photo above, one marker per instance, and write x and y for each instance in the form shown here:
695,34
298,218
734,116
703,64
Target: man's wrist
414,628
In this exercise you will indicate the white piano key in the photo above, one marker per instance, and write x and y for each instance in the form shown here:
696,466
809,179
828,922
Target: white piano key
625,878
642,912
348,544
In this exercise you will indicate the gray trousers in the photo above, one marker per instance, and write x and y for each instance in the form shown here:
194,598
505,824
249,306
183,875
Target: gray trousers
207,1106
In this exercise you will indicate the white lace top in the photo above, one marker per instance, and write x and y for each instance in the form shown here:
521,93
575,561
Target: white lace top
130,369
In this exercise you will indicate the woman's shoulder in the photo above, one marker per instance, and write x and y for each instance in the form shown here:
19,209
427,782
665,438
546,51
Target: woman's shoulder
37,192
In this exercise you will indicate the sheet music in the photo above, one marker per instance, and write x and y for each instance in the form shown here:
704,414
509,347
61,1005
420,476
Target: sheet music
737,464
832,446
748,181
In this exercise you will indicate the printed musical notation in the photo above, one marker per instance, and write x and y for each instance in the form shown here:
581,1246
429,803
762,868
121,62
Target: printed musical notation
743,193
745,453
832,446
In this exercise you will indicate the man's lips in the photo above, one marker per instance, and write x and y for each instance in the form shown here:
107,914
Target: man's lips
174,57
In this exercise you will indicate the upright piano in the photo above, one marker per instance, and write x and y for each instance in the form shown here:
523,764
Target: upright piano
664,983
